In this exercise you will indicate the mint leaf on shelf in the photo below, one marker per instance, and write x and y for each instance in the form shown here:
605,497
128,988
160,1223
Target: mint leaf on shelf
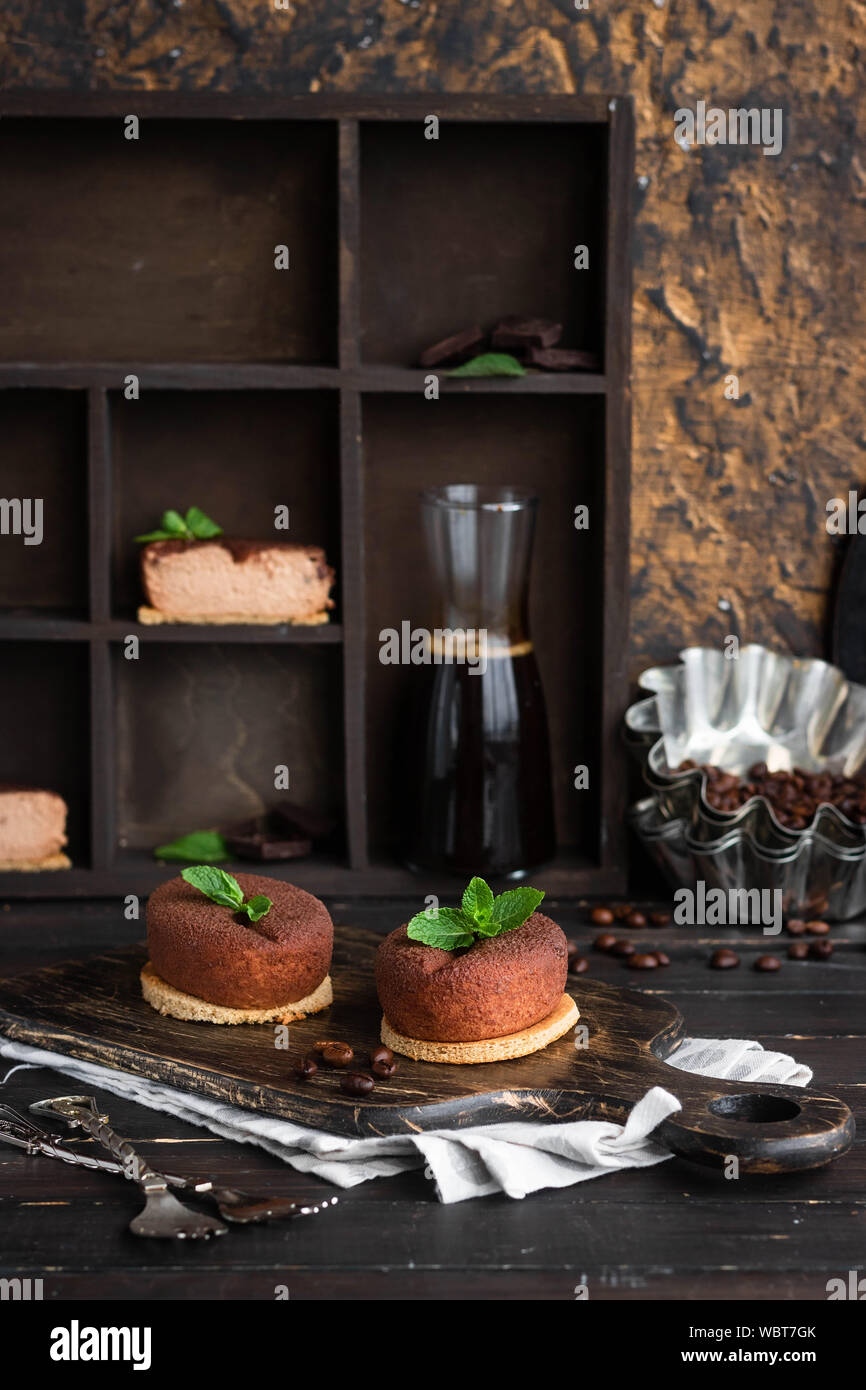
224,889
196,526
201,526
490,364
204,846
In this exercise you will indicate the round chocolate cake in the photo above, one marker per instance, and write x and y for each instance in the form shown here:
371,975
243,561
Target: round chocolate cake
499,986
212,953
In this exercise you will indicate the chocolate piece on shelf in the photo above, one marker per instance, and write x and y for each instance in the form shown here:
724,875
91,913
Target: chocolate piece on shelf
451,349
563,359
514,331
286,831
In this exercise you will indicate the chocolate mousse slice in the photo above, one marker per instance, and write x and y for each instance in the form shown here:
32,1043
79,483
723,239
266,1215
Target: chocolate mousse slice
235,581
501,996
32,829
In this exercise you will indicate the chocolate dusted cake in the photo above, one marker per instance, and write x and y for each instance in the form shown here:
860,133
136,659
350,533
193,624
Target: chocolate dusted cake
226,580
211,963
501,996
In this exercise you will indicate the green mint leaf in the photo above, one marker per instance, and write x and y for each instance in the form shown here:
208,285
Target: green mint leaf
204,846
257,907
155,536
478,901
200,525
448,929
216,884
511,910
174,523
490,364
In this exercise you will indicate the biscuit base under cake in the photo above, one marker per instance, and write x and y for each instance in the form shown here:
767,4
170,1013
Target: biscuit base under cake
528,1040
167,1000
152,617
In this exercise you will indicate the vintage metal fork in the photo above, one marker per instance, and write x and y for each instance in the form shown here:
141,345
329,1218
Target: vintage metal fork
238,1207
163,1217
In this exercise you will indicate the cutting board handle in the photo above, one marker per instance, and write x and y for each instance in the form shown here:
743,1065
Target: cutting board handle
766,1129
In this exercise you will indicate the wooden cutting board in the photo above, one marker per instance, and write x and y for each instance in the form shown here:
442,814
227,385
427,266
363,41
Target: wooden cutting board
93,1009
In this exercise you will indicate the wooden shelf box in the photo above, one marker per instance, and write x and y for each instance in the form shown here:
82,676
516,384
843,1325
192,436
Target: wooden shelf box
259,388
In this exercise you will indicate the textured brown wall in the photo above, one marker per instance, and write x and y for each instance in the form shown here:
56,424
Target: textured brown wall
744,263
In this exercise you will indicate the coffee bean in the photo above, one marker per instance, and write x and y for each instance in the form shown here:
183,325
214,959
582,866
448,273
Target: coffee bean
795,926
305,1068
601,916
605,941
335,1054
635,920
384,1069
798,950
357,1083
622,948
659,919
623,910
572,947
642,961
724,959
578,964
820,950
662,958
818,928
768,963
381,1054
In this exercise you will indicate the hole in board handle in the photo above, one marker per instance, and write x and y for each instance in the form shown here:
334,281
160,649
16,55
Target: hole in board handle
754,1109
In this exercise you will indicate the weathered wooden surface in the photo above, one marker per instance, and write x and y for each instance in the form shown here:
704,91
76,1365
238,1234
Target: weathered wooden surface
675,1231
745,264
92,1008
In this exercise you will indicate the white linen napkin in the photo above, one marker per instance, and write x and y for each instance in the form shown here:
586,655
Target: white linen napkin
515,1158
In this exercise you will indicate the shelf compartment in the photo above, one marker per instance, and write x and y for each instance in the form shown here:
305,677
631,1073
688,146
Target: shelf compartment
476,225
200,729
237,456
44,456
550,447
163,247
45,718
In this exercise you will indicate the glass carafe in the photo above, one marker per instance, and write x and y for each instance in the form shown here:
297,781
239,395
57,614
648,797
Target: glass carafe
483,800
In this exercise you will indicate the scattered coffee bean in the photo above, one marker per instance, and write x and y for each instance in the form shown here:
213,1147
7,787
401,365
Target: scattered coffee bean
381,1054
578,964
305,1068
384,1069
820,950
818,928
357,1083
335,1054
661,958
795,926
601,916
724,959
659,919
623,910
642,960
768,963
798,950
622,948
635,920
605,941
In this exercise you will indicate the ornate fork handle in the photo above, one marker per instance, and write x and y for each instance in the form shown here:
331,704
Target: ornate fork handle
82,1113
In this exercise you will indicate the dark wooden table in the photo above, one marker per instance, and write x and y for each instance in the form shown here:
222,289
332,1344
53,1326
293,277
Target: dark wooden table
669,1232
